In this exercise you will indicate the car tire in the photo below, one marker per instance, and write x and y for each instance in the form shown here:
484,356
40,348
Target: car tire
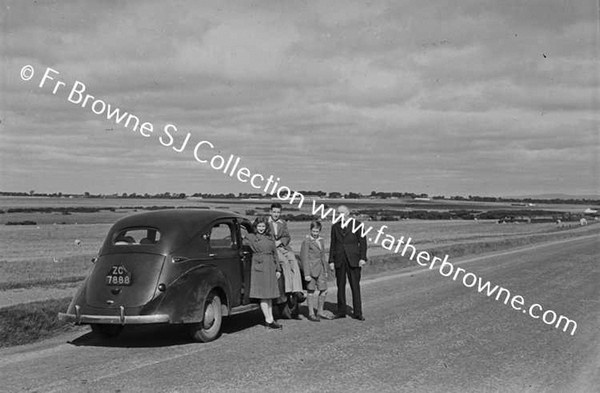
107,331
212,317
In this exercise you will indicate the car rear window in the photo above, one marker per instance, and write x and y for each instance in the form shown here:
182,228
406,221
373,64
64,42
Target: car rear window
136,236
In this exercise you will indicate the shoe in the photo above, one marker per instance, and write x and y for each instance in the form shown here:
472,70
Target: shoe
312,318
322,316
358,317
339,316
274,325
296,317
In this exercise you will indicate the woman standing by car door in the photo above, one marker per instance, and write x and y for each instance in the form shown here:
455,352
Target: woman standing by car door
265,269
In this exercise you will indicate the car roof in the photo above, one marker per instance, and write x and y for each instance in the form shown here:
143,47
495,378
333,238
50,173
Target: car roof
177,226
175,217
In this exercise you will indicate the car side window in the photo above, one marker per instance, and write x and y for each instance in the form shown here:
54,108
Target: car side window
222,236
243,231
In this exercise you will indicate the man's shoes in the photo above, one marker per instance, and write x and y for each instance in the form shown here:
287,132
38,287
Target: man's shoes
321,316
273,325
312,318
358,317
339,316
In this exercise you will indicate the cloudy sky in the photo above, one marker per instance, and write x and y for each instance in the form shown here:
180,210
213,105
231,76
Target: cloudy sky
438,97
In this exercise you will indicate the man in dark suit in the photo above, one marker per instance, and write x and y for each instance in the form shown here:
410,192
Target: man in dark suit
347,255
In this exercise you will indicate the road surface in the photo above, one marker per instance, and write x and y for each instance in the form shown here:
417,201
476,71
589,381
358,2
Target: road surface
423,332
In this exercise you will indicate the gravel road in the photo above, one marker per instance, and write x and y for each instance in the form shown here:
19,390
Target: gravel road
423,332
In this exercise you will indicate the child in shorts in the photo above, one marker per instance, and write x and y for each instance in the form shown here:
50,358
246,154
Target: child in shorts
314,263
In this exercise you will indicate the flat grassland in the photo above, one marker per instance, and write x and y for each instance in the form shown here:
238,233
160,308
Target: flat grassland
59,247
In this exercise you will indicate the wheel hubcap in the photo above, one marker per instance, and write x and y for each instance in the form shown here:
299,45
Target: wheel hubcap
209,316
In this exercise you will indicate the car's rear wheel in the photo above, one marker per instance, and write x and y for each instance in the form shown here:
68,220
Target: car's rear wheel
107,331
210,327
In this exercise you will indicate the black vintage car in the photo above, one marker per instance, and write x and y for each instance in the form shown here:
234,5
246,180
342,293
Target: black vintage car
181,266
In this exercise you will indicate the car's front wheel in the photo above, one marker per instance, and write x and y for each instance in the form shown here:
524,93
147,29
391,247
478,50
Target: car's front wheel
210,327
107,331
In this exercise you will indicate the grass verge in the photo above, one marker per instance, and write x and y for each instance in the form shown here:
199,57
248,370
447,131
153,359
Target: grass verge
27,323
382,263
4,286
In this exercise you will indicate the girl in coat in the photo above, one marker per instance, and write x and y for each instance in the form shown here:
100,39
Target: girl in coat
266,269
314,262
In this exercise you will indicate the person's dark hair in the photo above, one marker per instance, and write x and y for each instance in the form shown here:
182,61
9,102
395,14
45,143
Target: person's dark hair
262,220
315,224
276,205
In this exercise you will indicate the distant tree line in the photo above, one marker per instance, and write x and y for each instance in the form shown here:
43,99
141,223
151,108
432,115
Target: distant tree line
476,198
306,193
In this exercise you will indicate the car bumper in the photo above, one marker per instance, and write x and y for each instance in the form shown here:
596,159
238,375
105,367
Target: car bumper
120,319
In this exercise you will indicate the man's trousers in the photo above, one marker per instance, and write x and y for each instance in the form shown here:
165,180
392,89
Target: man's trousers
353,274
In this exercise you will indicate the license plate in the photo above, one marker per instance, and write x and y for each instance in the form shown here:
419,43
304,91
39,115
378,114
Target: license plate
118,275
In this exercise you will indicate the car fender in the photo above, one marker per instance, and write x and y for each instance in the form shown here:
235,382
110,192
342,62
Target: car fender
184,298
79,297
